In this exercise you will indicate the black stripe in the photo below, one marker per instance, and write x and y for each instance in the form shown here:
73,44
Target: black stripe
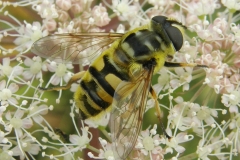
91,89
92,111
100,75
137,45
154,42
130,37
122,57
101,80
143,30
83,116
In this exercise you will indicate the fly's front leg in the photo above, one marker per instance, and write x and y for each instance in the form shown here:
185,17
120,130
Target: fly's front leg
157,107
73,79
170,64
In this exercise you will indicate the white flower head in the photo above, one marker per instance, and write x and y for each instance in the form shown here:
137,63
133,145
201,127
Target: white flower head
148,143
81,140
28,34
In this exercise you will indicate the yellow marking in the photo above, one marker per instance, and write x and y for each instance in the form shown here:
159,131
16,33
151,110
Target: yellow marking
181,28
149,46
134,70
160,58
148,27
138,33
163,47
114,61
80,92
87,77
113,58
113,80
78,95
99,63
100,115
104,95
128,49
93,104
80,103
158,39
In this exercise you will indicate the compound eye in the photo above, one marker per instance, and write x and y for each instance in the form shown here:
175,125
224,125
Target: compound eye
159,19
175,35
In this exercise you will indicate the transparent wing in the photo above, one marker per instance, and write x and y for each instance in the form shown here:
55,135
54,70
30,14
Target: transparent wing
73,47
127,115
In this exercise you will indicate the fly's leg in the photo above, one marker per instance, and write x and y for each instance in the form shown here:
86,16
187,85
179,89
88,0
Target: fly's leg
157,107
62,136
73,79
170,64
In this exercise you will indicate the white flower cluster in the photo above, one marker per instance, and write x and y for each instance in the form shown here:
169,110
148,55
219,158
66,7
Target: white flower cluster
200,105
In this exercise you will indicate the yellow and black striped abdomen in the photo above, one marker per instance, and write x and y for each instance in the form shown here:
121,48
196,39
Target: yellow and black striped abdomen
98,85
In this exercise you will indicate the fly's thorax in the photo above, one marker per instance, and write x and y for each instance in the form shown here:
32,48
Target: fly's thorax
140,47
143,44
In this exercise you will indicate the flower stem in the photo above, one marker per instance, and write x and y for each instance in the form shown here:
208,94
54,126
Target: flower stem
189,156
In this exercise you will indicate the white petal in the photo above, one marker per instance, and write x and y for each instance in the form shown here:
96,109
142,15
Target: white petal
214,113
17,70
157,88
233,109
179,149
55,80
6,61
180,137
2,84
209,120
169,150
174,83
8,115
28,62
16,151
180,71
27,123
19,114
34,149
74,138
19,132
27,75
38,119
13,87
13,100
39,75
186,87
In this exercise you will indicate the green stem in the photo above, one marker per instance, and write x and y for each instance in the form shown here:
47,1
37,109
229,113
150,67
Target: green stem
105,133
93,149
189,156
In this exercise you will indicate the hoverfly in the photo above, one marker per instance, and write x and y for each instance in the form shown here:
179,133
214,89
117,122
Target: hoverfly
119,79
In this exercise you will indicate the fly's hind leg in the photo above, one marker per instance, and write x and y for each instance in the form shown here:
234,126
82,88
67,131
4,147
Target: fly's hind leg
157,107
73,79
